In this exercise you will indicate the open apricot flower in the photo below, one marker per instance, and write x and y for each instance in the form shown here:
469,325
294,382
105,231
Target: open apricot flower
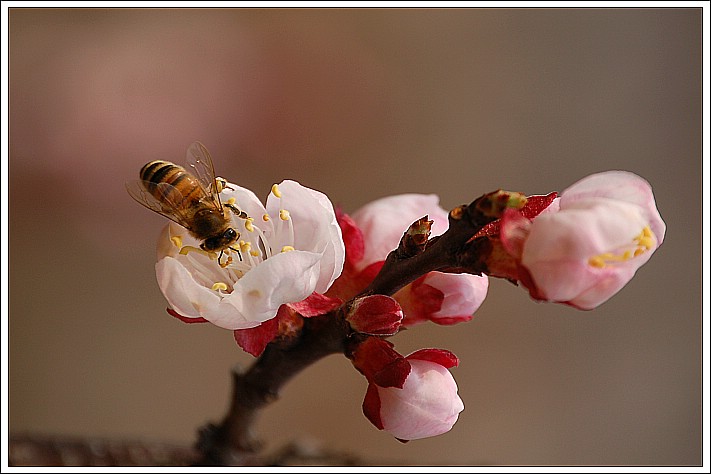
287,250
586,245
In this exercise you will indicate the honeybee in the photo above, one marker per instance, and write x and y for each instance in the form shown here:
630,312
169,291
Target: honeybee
189,196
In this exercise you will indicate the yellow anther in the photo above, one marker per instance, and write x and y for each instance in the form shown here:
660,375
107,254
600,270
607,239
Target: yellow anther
244,246
248,224
219,286
287,248
231,201
284,215
177,241
646,242
597,262
266,218
275,191
254,253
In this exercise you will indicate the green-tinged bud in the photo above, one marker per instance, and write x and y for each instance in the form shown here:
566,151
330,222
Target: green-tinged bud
494,204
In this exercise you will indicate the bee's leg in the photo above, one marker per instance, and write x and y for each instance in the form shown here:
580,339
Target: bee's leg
238,253
238,212
221,184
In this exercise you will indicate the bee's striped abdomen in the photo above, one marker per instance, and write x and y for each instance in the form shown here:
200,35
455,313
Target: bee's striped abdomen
185,184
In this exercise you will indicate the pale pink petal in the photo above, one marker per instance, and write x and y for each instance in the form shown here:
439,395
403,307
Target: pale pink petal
463,295
384,221
591,228
427,405
621,186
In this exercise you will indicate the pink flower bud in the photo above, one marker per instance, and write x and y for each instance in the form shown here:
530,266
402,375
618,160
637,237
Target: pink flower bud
375,314
587,245
375,230
443,298
426,405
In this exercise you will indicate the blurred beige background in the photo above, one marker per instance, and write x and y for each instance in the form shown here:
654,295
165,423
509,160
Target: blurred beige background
358,104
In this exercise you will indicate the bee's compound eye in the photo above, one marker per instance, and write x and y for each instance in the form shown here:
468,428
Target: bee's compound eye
230,234
208,245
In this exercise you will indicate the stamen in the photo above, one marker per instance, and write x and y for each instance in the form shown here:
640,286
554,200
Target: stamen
266,218
177,241
597,262
644,241
287,248
263,241
275,191
189,248
219,286
248,224
246,247
285,216
231,201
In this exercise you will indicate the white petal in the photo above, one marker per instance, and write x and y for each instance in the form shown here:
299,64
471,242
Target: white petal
245,200
183,293
284,278
315,228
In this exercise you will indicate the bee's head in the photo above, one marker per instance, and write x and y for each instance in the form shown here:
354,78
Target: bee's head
220,242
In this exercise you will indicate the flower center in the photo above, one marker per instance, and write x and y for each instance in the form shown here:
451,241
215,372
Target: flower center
256,245
643,242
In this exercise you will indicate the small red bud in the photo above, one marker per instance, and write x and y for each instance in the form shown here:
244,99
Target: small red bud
375,314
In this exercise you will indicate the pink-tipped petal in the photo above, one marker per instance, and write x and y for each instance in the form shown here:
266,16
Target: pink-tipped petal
442,357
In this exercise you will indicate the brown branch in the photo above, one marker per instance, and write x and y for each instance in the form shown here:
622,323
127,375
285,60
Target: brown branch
233,441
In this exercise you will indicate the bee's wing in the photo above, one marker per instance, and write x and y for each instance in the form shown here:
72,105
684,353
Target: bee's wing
199,164
168,206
